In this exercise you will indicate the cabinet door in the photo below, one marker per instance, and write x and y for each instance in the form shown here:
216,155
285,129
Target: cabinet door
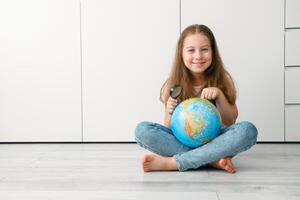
292,83
292,47
292,19
292,115
40,89
250,36
128,47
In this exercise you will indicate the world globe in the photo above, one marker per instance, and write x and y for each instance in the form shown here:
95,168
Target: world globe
195,122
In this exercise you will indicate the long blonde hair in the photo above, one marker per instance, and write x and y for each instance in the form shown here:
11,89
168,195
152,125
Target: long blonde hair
216,75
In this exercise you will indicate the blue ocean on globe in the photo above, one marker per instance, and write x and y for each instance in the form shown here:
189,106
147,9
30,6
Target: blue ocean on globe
195,122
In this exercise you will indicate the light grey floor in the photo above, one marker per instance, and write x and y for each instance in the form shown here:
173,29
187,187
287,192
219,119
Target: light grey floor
112,171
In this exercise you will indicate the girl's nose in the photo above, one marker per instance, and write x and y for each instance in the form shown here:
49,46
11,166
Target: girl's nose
198,55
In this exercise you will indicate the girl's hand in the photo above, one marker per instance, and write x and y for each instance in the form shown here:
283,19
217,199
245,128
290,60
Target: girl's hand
171,104
210,93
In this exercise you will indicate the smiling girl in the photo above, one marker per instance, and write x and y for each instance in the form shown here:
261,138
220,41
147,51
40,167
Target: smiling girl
199,69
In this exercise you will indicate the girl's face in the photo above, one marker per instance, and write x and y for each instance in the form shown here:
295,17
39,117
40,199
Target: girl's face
197,53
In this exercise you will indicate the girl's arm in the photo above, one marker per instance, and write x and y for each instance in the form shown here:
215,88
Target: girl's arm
167,119
228,111
170,104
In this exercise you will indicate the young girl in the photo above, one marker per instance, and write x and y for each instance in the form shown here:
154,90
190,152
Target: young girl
199,69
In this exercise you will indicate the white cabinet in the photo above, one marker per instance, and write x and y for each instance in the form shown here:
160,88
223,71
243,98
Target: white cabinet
292,70
250,37
128,47
292,18
40,71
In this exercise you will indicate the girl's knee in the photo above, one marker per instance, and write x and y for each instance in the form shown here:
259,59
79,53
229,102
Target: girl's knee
249,130
141,129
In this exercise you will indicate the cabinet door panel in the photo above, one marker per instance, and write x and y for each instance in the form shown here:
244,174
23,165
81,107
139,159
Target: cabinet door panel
292,47
292,83
292,115
292,18
127,55
40,71
250,36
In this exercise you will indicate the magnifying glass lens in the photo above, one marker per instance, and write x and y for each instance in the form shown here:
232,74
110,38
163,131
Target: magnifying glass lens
175,91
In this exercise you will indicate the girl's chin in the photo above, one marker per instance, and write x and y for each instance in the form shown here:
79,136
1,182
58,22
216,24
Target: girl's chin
199,69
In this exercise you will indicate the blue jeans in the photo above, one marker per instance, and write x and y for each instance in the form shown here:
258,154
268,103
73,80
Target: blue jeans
160,140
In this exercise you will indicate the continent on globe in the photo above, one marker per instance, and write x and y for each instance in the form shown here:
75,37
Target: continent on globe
193,126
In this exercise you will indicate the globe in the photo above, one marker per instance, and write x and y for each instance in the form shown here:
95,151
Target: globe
195,122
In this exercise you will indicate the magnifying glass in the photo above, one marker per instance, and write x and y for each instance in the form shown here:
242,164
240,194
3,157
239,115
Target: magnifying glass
176,91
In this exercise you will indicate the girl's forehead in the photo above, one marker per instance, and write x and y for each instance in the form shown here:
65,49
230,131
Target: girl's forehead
196,39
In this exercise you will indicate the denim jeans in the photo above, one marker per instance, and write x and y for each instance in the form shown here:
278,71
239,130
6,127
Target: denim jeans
160,140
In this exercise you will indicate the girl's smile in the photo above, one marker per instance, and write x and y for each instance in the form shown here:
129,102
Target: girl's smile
198,64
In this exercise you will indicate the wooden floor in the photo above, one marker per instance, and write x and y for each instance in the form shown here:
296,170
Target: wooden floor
112,171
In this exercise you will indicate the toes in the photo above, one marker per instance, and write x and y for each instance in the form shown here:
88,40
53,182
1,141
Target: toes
146,169
230,164
145,163
230,169
227,168
225,164
233,169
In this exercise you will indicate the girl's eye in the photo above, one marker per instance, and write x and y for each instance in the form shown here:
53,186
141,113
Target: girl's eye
190,50
205,49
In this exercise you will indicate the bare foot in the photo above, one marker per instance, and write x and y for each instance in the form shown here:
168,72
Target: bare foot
158,163
225,164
